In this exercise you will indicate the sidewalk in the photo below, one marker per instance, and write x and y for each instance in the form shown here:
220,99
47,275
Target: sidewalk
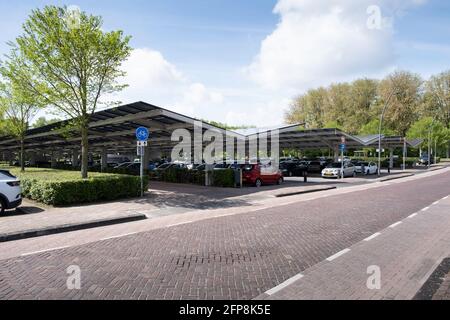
406,253
33,219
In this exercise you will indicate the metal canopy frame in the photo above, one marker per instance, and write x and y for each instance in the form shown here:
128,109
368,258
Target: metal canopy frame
113,130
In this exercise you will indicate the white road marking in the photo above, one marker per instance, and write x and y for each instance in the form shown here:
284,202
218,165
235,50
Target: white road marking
284,284
413,215
445,198
178,224
42,251
425,209
119,236
395,224
372,237
337,255
435,203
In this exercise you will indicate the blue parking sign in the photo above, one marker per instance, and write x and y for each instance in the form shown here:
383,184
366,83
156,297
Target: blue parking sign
342,147
142,134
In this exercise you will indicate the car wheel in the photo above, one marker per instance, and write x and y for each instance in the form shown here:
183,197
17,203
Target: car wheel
258,183
2,206
368,173
280,181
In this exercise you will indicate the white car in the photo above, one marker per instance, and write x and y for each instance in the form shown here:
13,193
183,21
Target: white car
10,191
334,170
366,168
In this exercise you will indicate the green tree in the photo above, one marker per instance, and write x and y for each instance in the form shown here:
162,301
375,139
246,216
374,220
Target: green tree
19,108
373,127
308,108
347,106
72,63
227,126
43,121
437,100
405,92
427,128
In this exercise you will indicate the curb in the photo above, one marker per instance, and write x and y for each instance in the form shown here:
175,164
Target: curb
432,285
287,194
5,237
397,177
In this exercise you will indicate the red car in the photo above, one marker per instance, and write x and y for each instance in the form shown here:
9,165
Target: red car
257,174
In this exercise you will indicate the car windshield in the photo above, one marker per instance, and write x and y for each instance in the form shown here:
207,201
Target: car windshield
221,166
164,166
366,164
247,167
335,165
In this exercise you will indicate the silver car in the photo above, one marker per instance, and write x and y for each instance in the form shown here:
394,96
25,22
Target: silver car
334,170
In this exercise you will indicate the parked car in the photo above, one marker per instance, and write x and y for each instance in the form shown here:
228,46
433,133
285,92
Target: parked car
221,166
164,167
288,159
257,175
423,160
10,191
294,168
198,167
315,166
366,168
334,170
115,160
124,165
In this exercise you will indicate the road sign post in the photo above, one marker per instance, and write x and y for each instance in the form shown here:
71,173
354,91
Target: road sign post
342,147
142,135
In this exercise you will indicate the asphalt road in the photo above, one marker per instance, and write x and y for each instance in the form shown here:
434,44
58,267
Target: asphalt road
234,257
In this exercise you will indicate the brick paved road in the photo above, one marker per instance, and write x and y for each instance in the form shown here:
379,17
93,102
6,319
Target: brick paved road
235,257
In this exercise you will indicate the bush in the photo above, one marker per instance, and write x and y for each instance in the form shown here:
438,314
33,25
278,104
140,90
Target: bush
223,178
220,178
56,187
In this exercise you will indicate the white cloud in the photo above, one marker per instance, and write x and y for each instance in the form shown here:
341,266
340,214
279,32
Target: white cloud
318,42
315,43
197,99
151,78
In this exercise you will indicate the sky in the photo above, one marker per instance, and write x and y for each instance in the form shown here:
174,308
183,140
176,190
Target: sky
242,62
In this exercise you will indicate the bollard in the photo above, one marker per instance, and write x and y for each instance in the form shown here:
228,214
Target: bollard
305,176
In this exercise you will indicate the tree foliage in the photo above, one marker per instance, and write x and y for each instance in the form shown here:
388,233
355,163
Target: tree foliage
43,121
429,129
19,108
69,62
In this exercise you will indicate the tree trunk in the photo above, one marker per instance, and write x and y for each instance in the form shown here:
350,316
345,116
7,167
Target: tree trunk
22,156
84,152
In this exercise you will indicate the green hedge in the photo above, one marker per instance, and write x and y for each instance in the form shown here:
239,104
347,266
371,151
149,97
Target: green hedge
220,178
58,187
223,178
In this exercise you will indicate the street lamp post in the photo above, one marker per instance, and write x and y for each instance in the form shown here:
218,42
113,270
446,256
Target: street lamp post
405,150
435,150
380,129
429,143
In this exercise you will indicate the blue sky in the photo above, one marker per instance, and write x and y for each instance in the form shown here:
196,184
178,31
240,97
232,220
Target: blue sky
242,61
